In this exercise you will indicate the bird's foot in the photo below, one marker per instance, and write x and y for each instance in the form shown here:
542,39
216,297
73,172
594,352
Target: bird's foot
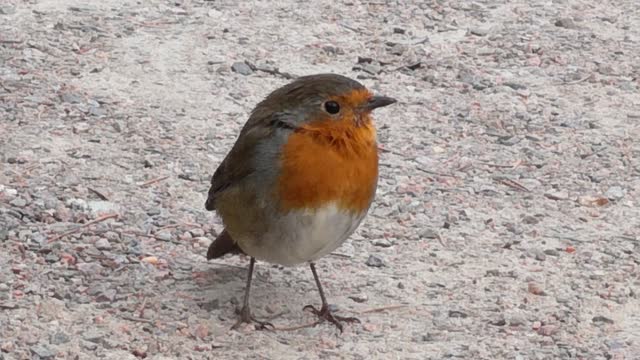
245,317
324,314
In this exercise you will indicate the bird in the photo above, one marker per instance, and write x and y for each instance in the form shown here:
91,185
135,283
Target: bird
299,179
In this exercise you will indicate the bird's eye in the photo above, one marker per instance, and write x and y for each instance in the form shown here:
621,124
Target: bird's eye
332,107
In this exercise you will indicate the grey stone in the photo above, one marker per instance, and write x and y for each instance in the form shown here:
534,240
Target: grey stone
480,31
266,66
89,345
77,204
429,234
71,98
102,207
24,234
59,338
164,235
531,220
566,23
89,268
372,68
7,10
602,319
359,298
374,261
557,195
210,305
241,68
18,202
97,111
514,86
93,336
615,193
537,254
102,244
383,243
398,49
196,232
457,314
42,352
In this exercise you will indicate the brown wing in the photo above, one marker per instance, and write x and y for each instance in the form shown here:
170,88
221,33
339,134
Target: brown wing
233,169
240,163
237,164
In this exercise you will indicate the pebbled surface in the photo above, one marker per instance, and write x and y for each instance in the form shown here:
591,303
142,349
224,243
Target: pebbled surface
507,219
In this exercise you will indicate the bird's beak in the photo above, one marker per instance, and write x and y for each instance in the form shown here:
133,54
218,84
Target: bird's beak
378,101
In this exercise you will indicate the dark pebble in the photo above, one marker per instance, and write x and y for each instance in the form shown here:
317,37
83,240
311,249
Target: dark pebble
457,314
602,319
374,261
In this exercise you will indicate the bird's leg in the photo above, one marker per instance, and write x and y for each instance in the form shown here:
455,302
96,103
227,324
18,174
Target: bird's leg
324,313
244,314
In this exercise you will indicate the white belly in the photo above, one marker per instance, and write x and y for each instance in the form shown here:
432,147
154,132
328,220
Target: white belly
302,236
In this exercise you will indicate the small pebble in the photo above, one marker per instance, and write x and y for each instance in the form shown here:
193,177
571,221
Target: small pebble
241,68
196,232
374,261
602,320
547,330
480,31
102,244
59,338
557,195
93,335
535,288
531,220
566,23
359,298
398,49
164,235
429,234
457,314
42,352
18,202
615,193
7,346
383,243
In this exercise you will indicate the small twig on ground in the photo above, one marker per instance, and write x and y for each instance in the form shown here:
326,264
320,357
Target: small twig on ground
577,81
140,309
497,165
188,225
153,181
341,255
513,184
83,226
297,327
384,308
150,236
98,193
133,318
434,172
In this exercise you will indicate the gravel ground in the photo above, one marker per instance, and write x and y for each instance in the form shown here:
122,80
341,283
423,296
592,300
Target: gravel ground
507,222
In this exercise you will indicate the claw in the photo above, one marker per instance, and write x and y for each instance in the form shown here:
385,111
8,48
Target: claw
245,317
324,314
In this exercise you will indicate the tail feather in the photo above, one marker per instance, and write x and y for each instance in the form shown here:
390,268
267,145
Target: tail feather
222,245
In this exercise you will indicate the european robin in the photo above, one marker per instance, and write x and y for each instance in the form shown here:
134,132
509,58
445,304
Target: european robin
299,179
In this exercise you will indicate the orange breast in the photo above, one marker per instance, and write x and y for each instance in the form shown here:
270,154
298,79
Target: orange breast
329,161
